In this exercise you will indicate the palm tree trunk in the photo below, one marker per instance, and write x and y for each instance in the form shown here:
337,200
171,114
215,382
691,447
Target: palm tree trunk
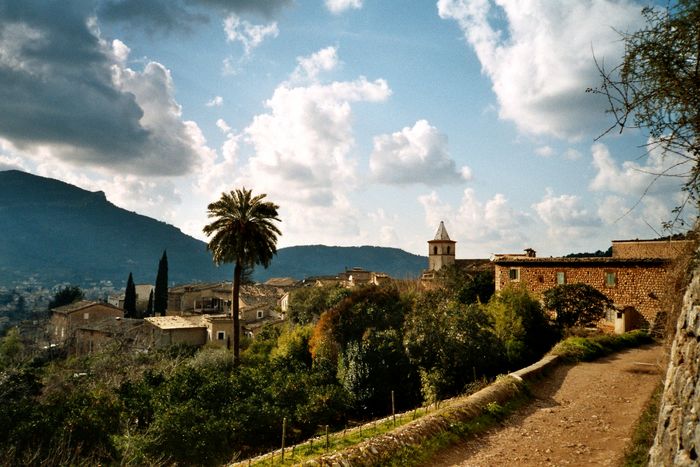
235,292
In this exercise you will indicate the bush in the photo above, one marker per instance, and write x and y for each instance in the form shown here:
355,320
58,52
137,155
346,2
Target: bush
450,343
521,325
576,304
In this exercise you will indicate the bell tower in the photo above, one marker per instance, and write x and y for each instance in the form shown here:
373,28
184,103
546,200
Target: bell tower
441,250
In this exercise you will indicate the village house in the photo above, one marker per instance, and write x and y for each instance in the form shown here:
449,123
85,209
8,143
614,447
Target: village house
143,293
634,277
65,320
124,332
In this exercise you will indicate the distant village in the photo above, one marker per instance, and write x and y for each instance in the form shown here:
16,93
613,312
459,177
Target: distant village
634,278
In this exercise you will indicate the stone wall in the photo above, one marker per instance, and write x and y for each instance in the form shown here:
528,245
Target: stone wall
678,433
641,285
668,249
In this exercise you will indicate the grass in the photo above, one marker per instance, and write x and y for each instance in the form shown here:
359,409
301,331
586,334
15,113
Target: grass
577,349
637,452
337,441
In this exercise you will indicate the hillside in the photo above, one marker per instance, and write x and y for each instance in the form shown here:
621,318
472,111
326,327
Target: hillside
56,232
318,260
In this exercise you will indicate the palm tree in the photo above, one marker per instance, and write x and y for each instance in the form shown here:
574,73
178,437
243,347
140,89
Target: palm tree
244,234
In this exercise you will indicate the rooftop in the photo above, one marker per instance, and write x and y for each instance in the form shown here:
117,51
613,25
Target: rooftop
80,305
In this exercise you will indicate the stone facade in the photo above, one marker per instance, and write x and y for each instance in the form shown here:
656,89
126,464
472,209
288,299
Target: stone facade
667,249
637,283
677,439
66,319
441,250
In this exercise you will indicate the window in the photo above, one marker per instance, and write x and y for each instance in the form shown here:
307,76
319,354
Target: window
610,279
514,274
86,315
435,250
561,277
448,250
260,314
220,335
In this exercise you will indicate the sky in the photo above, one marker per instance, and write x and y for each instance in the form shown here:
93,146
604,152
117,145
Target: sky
368,122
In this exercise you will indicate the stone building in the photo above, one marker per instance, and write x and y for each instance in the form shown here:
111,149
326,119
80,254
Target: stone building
442,252
65,320
634,277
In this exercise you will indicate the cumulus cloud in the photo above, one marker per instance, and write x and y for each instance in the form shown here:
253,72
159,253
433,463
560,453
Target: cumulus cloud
660,173
68,94
302,152
249,35
565,216
642,193
339,6
415,154
309,68
491,225
539,56
175,15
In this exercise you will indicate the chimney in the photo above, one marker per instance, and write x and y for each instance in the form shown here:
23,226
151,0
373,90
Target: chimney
530,253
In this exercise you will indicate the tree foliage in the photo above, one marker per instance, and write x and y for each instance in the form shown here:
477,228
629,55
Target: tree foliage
243,232
576,304
160,296
65,296
521,325
450,343
130,298
657,87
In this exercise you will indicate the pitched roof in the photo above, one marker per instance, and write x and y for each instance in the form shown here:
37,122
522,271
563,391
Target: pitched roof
441,232
79,305
176,322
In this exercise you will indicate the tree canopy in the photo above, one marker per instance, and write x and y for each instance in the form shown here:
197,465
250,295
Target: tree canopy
576,304
243,232
65,296
160,297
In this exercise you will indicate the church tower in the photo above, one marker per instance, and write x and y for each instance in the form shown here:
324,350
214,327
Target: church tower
441,250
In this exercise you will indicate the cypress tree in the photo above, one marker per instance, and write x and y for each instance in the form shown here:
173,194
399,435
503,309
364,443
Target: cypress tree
130,298
149,308
160,298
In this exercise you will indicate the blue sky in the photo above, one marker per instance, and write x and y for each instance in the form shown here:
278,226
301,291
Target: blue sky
367,121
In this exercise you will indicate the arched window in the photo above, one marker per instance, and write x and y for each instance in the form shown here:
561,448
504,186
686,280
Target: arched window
435,250
448,250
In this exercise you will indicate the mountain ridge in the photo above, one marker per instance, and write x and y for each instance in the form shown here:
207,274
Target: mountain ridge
57,233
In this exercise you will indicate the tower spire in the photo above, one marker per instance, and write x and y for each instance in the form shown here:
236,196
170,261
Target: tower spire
442,232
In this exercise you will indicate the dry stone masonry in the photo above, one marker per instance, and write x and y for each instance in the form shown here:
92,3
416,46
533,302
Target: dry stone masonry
678,433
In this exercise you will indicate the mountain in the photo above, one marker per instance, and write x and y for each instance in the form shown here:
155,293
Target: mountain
56,232
300,262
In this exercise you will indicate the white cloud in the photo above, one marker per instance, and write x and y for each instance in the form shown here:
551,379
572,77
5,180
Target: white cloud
480,226
661,173
415,154
174,145
302,154
541,60
565,216
216,101
640,196
310,67
544,151
223,126
248,34
339,6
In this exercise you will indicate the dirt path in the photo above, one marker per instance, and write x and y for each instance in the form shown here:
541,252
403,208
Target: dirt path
581,415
